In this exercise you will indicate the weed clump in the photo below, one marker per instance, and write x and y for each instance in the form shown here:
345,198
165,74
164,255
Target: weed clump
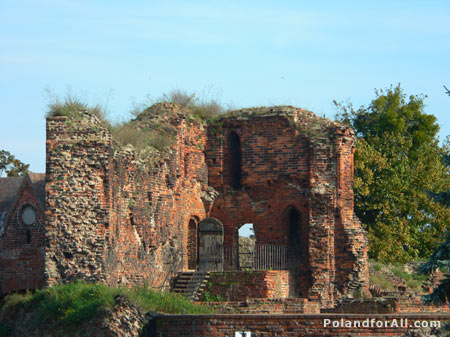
73,106
202,109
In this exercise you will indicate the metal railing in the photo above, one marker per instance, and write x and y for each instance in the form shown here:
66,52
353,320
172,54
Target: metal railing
262,257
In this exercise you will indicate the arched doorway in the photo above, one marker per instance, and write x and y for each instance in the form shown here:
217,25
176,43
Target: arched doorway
210,232
246,246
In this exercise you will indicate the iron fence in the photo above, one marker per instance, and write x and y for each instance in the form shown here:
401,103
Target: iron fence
262,257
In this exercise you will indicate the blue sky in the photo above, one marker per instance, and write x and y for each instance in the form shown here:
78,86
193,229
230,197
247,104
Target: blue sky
302,53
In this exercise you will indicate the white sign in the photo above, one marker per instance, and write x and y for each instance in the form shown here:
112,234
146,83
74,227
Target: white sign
242,334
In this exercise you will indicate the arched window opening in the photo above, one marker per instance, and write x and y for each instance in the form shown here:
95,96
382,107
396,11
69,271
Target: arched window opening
234,144
246,246
192,243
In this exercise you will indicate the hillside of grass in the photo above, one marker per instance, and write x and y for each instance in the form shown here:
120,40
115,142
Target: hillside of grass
66,308
392,277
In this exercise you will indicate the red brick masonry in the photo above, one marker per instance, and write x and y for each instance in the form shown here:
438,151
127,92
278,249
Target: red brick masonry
126,217
241,285
286,325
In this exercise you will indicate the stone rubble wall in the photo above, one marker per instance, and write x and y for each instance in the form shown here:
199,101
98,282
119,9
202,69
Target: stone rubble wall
115,217
122,217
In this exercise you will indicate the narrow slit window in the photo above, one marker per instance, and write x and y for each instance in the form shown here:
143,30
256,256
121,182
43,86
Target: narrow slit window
294,223
28,236
236,160
192,244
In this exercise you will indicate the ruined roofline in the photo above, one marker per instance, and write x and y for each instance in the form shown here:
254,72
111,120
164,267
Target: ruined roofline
172,114
299,117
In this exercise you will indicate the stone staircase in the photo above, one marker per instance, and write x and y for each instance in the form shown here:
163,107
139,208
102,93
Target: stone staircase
191,284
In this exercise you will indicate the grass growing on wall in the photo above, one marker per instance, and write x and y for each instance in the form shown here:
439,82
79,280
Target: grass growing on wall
387,275
165,302
75,303
72,106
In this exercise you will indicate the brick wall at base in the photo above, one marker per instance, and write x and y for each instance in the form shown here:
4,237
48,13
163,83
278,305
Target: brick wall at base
284,325
241,285
404,304
267,306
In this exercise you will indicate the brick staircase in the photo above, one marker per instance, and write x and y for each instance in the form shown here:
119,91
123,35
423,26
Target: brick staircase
191,284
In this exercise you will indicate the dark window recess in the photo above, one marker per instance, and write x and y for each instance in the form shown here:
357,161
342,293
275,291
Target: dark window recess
236,160
192,244
294,220
28,236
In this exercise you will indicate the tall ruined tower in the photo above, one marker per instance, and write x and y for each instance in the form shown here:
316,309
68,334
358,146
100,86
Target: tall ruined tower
122,216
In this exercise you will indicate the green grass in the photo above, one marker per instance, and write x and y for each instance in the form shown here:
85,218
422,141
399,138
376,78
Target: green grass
66,305
69,305
401,274
73,106
381,282
165,302
158,138
413,280
208,297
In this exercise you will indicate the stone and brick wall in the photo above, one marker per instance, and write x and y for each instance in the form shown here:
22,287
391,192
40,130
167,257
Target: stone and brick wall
113,216
22,246
122,217
380,305
287,325
266,306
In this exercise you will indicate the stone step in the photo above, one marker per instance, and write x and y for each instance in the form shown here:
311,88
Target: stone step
191,284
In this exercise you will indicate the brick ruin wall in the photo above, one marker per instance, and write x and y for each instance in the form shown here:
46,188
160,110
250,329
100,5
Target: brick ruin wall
242,285
116,218
22,247
112,217
301,161
293,325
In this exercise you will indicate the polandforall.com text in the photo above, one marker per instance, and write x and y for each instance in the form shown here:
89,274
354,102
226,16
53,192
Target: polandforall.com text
378,323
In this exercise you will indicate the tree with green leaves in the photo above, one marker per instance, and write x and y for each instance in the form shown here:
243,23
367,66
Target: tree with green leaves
440,259
398,160
441,256
11,166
